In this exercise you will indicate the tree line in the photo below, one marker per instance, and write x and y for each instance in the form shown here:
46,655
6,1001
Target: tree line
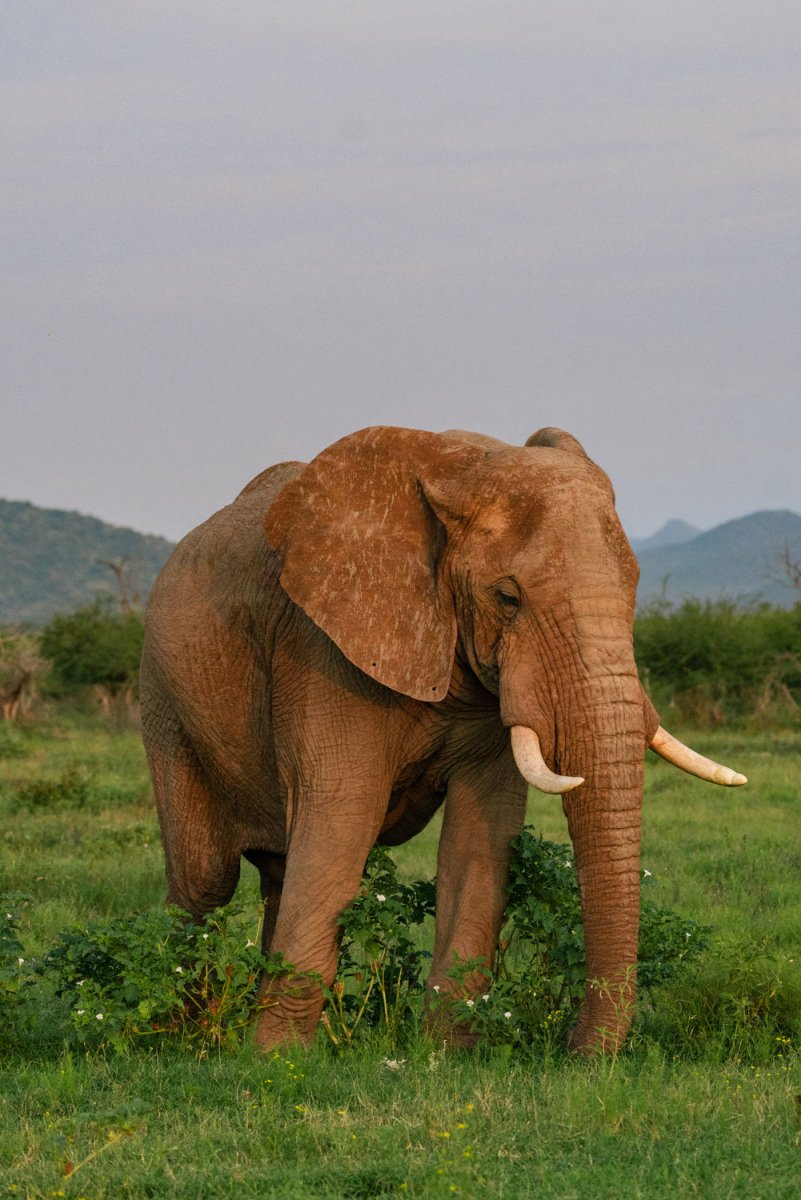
707,663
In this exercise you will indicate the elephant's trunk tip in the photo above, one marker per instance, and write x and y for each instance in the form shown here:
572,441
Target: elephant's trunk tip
532,766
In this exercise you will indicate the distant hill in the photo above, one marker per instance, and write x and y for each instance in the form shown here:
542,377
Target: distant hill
49,560
739,560
672,534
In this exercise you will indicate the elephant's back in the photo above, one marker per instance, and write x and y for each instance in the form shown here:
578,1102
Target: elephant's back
220,574
268,483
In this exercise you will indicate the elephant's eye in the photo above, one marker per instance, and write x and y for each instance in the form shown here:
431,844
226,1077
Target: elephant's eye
508,601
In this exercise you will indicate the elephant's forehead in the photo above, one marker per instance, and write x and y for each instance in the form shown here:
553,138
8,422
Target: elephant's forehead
512,491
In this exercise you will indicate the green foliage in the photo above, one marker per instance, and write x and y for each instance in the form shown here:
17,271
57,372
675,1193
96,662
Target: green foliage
94,645
159,976
380,962
71,789
741,992
539,974
14,971
156,976
712,662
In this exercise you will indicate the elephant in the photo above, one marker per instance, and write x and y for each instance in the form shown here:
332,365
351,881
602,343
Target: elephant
411,619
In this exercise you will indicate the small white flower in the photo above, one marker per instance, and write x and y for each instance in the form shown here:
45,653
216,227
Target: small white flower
469,1003
205,937
393,1064
507,1015
99,1016
179,970
249,943
485,997
436,987
688,934
21,961
79,1012
568,863
646,874
80,983
10,916
380,898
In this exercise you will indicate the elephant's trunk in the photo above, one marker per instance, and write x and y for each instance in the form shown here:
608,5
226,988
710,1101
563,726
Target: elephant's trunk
600,734
604,820
596,730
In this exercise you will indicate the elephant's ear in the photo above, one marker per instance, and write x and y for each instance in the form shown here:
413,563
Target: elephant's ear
360,546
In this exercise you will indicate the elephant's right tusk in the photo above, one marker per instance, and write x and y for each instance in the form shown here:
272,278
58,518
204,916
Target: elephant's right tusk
532,766
675,752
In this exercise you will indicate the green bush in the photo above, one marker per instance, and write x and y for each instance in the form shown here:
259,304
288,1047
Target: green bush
71,789
739,996
539,974
158,976
94,645
713,662
14,970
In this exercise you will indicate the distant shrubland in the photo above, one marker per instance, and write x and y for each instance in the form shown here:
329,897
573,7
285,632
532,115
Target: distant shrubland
705,663
714,663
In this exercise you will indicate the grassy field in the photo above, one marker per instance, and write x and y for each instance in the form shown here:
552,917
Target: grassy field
676,1114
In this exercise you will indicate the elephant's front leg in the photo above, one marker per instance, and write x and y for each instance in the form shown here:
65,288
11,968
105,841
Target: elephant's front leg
484,812
332,834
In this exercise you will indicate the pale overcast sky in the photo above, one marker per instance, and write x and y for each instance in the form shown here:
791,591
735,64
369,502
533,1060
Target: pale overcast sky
237,231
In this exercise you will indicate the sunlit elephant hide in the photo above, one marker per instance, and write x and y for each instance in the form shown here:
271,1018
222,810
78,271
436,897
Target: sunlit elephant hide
412,619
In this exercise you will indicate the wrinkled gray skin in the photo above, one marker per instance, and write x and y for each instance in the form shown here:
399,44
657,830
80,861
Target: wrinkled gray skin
346,646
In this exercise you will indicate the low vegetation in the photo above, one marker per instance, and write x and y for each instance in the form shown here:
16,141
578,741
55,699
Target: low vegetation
713,663
127,1076
128,1069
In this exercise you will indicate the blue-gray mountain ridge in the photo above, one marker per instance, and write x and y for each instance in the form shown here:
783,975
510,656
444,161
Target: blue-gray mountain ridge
741,560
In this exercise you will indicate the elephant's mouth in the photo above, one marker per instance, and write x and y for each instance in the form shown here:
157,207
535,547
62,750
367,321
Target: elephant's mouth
532,766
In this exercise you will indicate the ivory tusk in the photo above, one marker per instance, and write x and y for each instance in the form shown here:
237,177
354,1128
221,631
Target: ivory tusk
674,751
532,766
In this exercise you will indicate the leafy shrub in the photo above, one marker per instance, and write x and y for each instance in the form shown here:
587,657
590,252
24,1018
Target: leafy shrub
71,789
158,975
740,994
380,964
95,645
539,973
713,662
14,971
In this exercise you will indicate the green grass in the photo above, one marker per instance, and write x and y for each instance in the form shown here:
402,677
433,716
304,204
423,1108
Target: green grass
668,1117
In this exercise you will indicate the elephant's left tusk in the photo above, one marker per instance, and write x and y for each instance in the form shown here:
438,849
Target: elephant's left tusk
674,751
532,766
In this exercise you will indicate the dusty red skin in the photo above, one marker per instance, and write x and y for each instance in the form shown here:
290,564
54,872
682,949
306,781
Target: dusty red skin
346,646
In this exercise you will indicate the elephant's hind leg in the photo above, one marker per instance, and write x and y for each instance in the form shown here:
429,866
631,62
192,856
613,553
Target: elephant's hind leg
202,861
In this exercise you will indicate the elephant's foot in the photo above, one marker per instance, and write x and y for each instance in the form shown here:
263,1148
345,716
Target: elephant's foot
289,1013
604,1020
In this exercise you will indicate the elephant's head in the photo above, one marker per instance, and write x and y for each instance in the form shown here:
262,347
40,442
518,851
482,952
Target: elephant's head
409,547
